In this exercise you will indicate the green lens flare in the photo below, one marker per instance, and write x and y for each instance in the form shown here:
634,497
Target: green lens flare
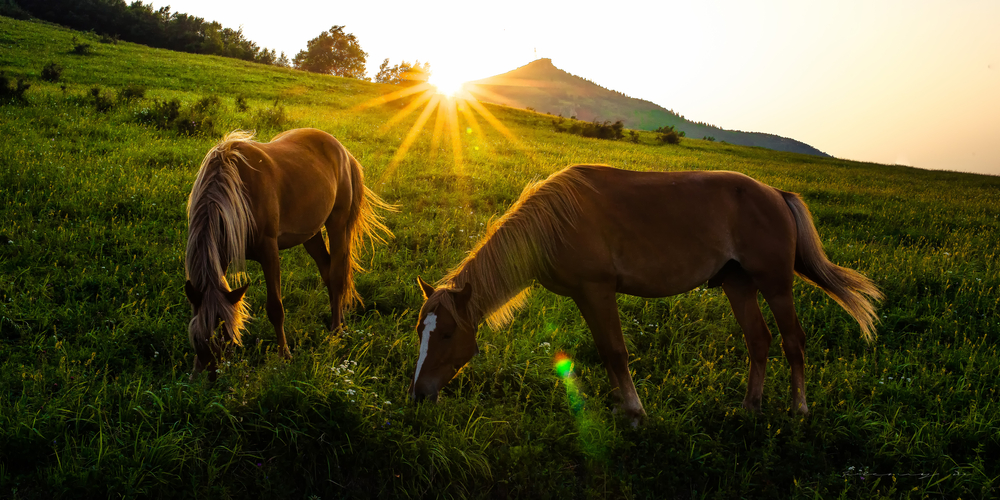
563,365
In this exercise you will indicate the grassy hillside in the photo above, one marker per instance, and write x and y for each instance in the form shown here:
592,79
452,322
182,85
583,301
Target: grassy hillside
545,88
94,394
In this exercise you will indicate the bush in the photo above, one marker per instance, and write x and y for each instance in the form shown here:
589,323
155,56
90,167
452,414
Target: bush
633,137
709,138
241,103
9,93
81,48
102,103
274,117
131,93
668,135
52,72
198,119
208,103
595,129
112,39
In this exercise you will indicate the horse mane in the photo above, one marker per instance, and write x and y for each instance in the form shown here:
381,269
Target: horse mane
219,224
518,246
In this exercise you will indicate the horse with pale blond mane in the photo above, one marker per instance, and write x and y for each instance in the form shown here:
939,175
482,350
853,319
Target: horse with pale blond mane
251,200
590,231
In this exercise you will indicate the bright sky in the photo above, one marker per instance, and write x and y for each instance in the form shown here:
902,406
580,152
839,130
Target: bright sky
912,82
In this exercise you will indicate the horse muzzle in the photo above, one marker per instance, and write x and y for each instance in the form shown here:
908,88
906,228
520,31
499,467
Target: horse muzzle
418,394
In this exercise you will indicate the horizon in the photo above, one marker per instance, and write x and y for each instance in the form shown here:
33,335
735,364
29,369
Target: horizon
899,83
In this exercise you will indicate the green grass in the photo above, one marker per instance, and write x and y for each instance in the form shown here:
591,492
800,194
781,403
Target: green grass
95,399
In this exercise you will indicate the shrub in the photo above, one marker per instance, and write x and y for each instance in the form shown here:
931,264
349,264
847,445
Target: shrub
198,119
163,113
633,137
668,135
709,138
195,121
112,39
102,103
241,103
131,93
80,48
274,117
208,103
9,93
599,130
52,72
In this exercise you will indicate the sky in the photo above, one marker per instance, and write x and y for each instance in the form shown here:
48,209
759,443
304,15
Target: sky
911,82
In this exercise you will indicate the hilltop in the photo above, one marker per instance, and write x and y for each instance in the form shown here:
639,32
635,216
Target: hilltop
541,86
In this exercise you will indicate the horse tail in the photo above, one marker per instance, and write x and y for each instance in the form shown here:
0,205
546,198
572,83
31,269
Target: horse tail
363,222
851,289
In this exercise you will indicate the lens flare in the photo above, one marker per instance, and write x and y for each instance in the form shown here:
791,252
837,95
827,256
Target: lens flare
563,365
564,368
589,426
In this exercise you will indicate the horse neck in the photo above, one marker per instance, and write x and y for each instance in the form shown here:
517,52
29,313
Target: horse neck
498,286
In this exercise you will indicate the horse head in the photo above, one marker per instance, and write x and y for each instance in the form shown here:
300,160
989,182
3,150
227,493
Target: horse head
447,339
211,309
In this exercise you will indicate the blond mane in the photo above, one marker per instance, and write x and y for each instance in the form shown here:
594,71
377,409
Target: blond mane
219,224
518,247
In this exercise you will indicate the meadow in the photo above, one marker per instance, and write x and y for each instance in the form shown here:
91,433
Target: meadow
95,399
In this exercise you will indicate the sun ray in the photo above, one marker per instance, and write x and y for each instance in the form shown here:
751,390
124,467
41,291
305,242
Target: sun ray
439,122
492,120
392,96
410,108
450,109
456,138
411,136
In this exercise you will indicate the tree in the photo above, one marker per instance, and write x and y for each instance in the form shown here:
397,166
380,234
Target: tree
403,73
333,52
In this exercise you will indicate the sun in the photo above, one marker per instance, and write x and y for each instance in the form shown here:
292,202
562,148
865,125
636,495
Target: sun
448,99
445,83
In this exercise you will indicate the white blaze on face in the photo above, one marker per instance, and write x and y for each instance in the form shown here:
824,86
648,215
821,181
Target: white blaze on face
430,323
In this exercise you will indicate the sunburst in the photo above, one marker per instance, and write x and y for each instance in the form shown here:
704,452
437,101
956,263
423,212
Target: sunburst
444,98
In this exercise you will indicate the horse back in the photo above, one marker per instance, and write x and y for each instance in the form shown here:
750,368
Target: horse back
296,183
662,233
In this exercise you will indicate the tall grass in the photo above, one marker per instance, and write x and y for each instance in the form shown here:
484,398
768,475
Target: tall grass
94,397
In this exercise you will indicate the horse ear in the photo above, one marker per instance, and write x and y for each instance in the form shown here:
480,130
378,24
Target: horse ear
425,288
193,295
235,296
462,296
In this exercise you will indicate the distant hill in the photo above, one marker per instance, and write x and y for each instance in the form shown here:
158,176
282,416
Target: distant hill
541,86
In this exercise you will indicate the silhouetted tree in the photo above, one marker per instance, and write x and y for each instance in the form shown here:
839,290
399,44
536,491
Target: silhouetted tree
403,73
333,52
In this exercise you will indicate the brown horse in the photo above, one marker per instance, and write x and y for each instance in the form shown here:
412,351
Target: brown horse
589,232
252,199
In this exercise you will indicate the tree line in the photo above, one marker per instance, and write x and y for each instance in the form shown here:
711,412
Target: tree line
139,22
333,51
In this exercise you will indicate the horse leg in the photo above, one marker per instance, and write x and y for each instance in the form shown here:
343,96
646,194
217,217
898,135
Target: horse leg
271,265
600,310
742,294
793,341
317,249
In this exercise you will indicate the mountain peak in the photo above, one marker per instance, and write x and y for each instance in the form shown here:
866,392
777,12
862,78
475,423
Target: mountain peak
541,86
